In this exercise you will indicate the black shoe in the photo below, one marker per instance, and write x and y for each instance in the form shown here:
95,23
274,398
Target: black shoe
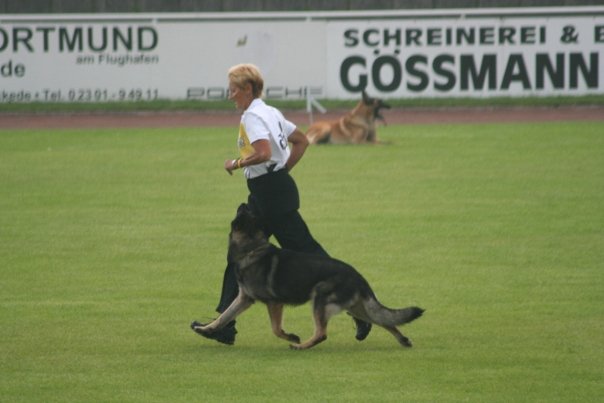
363,329
226,335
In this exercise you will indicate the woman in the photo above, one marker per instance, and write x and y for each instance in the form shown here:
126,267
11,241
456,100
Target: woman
266,160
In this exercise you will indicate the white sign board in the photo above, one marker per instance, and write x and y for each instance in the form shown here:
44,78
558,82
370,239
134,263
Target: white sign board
467,57
393,54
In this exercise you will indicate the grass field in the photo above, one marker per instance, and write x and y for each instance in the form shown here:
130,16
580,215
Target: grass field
112,241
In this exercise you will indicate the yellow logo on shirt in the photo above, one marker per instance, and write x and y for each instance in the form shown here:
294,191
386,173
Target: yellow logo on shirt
243,142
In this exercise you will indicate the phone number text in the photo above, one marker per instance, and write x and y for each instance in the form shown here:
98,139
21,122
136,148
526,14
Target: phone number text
80,95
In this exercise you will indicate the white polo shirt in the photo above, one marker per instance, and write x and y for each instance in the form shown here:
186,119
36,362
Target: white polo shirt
263,122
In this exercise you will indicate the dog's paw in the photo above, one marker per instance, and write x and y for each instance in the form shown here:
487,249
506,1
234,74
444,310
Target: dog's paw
313,341
293,338
200,328
196,325
225,335
405,342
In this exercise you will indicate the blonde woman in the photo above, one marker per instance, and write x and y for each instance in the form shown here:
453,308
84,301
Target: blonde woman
266,158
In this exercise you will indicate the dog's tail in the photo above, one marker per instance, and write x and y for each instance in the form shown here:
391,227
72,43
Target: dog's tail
384,316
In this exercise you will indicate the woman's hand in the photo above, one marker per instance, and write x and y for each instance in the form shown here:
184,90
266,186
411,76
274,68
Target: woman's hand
262,153
230,166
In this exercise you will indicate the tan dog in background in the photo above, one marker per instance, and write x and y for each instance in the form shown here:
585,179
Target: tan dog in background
356,127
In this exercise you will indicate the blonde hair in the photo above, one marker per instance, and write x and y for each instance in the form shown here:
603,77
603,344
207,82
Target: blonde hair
242,74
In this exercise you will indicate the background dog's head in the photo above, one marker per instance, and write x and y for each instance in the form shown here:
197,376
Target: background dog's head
375,104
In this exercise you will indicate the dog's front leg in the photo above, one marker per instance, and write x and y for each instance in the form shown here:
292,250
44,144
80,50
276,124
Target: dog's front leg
371,137
240,304
275,312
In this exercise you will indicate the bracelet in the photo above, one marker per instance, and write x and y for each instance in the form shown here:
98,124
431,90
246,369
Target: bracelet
239,163
233,164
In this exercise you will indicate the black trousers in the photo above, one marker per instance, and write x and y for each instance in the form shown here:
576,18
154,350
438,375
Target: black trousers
274,198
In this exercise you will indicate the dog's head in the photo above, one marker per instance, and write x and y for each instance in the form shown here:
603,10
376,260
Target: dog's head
246,227
375,105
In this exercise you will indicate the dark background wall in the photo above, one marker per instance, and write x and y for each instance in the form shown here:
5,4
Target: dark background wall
127,6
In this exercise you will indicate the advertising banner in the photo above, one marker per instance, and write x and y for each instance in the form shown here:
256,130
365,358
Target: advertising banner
130,59
392,54
472,57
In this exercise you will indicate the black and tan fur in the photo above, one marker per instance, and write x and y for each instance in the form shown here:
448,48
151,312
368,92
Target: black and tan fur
279,277
356,127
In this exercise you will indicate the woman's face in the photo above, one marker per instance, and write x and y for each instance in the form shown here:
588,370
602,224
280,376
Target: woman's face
241,96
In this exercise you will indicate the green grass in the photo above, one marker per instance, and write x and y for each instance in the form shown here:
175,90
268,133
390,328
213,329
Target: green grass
112,241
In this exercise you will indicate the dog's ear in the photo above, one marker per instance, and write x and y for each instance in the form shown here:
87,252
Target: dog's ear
244,213
247,224
241,216
243,208
245,220
380,105
366,99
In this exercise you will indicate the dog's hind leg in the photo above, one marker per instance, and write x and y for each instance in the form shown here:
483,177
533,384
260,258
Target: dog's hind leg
322,311
319,336
275,312
404,341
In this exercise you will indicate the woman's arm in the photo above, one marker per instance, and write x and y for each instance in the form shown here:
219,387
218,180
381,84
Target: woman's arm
299,143
262,153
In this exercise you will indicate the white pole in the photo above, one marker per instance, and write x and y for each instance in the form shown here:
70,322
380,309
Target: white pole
312,102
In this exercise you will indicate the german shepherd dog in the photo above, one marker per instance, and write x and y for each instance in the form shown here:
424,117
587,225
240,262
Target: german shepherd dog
279,277
356,127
